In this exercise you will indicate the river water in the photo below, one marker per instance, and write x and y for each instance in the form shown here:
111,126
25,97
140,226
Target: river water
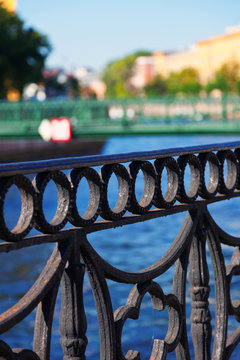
129,248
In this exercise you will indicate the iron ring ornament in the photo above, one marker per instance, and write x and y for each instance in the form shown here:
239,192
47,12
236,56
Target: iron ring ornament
145,203
191,194
123,191
63,203
28,207
94,204
166,200
209,190
228,185
214,176
32,212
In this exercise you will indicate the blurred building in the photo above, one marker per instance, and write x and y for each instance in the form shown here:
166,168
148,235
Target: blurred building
89,82
10,5
144,71
206,56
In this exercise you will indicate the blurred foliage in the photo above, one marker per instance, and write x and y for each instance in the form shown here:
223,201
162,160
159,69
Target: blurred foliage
23,52
226,79
156,87
186,81
117,73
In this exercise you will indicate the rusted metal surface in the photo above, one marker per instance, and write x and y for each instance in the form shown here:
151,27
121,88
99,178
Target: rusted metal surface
74,254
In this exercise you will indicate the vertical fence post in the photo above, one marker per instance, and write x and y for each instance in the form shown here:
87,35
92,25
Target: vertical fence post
73,323
199,289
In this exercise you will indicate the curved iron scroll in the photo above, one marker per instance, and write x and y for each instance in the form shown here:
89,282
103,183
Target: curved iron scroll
74,254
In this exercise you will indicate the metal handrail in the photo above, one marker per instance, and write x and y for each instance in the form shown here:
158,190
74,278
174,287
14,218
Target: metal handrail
74,254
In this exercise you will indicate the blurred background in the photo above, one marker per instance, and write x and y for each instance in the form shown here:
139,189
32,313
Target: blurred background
112,70
81,49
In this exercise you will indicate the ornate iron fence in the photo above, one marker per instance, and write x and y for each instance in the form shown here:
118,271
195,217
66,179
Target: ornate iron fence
73,253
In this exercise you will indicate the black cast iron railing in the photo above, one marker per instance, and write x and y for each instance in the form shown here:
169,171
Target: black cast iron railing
73,252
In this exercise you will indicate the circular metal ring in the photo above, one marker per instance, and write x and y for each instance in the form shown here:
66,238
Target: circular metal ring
237,154
208,191
94,183
228,186
149,174
27,214
168,199
123,191
195,168
64,194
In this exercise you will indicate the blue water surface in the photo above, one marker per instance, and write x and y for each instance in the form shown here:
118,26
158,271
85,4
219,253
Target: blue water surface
129,248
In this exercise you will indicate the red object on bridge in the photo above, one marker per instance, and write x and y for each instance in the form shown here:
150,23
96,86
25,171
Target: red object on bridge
61,129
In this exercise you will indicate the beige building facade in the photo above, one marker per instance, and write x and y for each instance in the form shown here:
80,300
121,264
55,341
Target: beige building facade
206,56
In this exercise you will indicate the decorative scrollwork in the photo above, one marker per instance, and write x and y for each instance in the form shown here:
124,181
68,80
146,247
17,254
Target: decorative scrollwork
74,254
6,353
160,301
231,270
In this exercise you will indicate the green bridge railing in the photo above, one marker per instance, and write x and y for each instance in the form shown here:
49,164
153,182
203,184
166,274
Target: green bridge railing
165,115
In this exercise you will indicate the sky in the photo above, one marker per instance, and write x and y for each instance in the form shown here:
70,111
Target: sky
92,32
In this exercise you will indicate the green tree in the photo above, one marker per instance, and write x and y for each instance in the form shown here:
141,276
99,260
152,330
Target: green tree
220,83
186,81
238,85
226,78
23,52
156,87
117,73
173,83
